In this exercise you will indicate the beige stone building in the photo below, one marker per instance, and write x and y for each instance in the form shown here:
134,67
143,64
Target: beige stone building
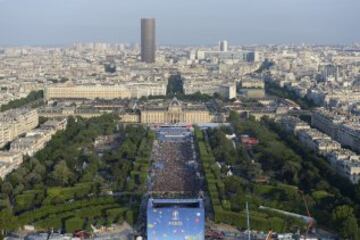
339,127
16,122
102,91
252,88
176,113
210,87
8,162
150,113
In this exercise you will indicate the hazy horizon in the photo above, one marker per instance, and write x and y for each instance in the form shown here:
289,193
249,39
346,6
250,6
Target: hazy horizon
186,22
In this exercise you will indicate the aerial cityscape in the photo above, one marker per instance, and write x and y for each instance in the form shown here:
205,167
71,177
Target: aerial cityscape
146,140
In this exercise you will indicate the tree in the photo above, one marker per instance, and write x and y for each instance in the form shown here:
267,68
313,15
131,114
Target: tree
350,228
7,188
32,97
16,178
62,175
345,222
73,224
33,178
266,65
357,192
7,221
40,169
175,86
18,189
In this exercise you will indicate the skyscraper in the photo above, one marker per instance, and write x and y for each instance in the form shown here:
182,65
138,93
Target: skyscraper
223,46
148,41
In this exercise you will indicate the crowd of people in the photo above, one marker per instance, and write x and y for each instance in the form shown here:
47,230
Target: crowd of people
174,169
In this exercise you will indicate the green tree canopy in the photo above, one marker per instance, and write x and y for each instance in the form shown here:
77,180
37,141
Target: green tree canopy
62,175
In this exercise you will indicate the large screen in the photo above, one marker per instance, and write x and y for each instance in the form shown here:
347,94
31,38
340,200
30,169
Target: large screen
175,222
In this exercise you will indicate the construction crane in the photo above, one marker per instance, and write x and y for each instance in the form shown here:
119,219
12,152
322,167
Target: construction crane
311,222
269,236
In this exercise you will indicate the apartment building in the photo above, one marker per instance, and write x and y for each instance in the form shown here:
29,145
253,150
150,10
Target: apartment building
225,89
346,162
9,161
339,126
16,122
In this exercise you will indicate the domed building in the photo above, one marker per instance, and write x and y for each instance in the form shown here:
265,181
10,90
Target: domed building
176,112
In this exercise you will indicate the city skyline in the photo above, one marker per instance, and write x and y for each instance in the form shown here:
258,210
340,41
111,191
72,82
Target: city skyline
39,22
173,120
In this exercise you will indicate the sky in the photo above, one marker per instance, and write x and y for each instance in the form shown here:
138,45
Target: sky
180,22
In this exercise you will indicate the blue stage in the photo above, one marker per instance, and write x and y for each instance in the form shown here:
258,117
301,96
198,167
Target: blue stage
175,219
